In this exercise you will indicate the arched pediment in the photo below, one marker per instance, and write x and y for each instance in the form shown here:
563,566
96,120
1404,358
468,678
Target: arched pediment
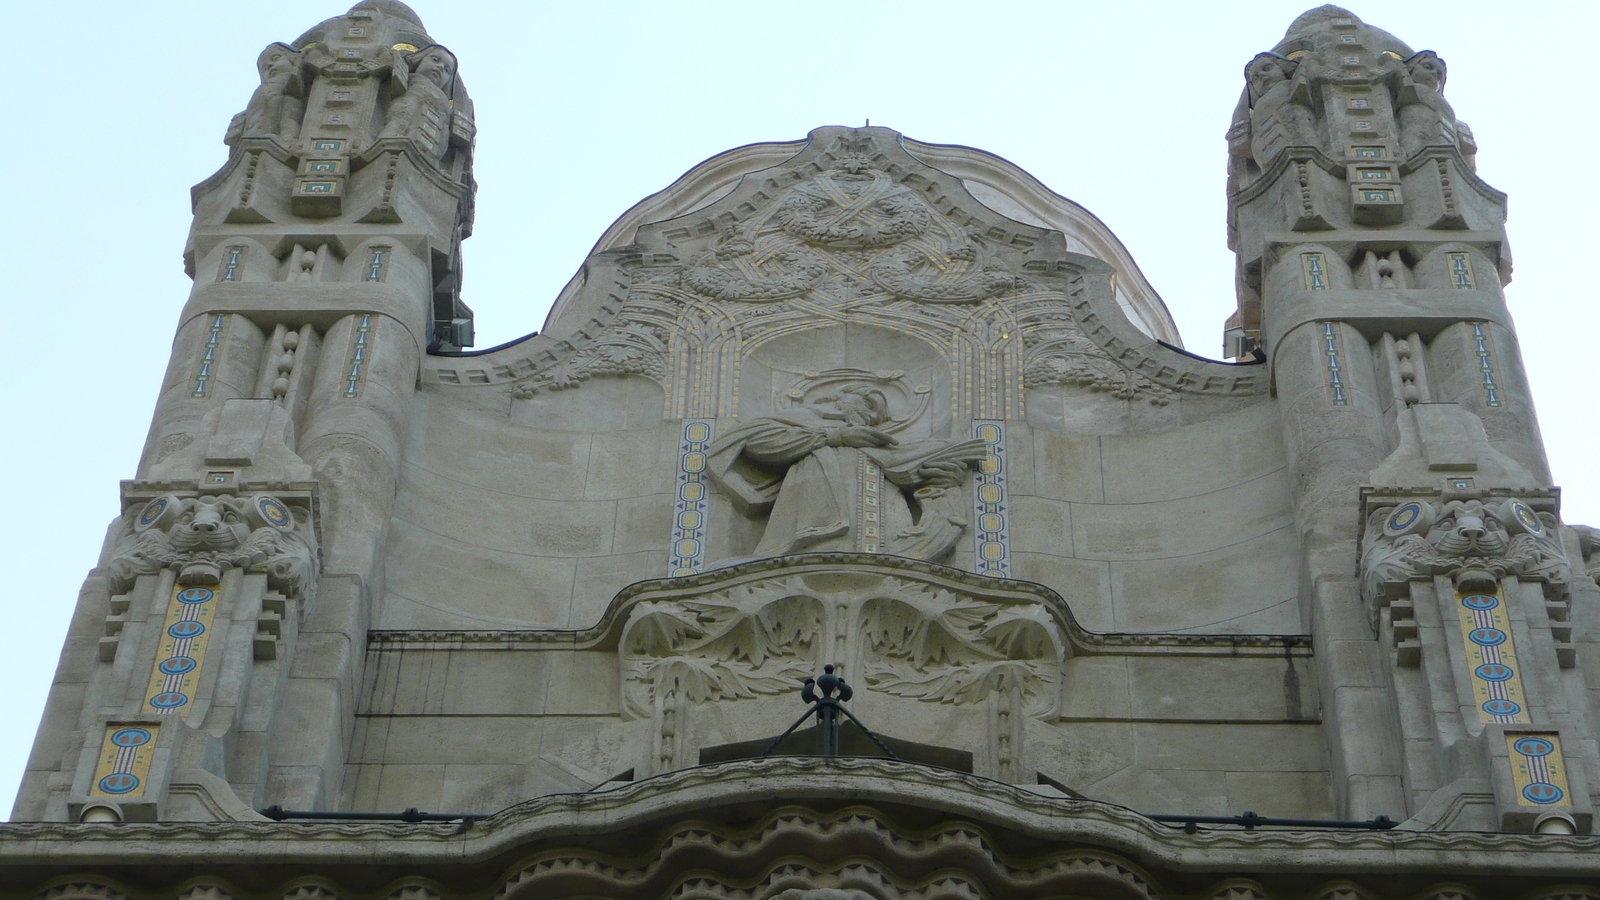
854,227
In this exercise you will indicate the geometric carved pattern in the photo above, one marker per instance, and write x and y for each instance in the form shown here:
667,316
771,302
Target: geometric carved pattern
854,852
740,829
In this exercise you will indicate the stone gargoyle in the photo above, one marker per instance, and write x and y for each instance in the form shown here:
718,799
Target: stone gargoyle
201,537
1473,542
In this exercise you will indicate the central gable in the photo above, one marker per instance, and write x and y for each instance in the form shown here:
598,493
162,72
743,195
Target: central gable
852,254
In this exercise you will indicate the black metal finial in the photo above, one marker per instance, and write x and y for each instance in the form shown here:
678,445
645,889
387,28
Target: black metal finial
828,710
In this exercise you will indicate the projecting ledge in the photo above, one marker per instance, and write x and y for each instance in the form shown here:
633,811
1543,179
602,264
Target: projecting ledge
785,810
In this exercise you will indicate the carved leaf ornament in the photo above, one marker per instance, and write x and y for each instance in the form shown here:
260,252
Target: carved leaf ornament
915,640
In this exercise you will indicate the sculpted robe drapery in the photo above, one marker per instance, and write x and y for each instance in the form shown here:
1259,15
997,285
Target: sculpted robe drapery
824,498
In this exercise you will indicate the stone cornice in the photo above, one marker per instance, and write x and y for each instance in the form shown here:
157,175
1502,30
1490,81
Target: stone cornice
604,634
915,809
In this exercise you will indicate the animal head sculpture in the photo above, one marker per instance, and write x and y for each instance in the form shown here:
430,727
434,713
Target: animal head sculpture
1473,542
201,537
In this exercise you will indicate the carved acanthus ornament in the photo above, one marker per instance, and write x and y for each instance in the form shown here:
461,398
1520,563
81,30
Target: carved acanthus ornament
912,639
1475,543
203,536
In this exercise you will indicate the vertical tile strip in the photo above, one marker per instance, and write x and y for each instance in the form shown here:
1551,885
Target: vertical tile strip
208,357
990,511
232,260
360,348
1461,272
1315,267
182,651
1483,346
1334,358
1492,657
378,264
125,755
1538,769
869,500
689,512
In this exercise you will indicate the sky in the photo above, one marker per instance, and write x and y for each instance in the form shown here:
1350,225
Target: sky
583,109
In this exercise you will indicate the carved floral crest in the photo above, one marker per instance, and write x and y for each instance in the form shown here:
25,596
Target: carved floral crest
859,234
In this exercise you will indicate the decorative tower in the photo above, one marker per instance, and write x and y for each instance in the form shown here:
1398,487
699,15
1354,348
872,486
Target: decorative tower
326,261
1371,259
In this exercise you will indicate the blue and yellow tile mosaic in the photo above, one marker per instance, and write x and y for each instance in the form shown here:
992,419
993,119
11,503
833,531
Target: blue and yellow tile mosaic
182,652
1315,268
360,348
990,510
208,357
689,511
1333,357
232,263
1537,769
1483,347
1492,658
1461,271
378,264
125,755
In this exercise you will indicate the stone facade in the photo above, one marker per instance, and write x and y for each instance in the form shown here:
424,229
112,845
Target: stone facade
858,402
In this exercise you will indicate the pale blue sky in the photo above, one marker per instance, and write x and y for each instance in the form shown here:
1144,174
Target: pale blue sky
116,109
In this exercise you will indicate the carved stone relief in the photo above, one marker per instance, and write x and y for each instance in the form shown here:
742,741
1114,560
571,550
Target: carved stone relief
907,637
850,240
277,106
422,110
1475,543
830,476
202,536
1281,112
1422,116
